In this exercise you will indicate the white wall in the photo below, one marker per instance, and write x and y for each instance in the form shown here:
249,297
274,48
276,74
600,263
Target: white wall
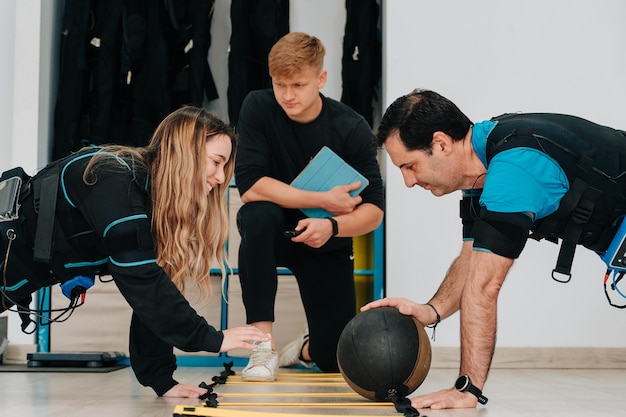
7,48
491,57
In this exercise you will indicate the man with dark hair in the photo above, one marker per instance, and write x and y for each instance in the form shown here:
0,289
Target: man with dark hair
569,184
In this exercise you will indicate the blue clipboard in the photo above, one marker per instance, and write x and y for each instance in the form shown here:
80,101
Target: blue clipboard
325,171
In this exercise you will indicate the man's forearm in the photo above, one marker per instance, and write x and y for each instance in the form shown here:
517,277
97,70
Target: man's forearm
365,218
275,191
447,299
479,304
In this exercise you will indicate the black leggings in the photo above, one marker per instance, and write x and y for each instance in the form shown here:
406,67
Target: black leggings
325,277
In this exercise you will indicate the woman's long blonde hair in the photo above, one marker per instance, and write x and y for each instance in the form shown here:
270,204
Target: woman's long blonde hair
189,228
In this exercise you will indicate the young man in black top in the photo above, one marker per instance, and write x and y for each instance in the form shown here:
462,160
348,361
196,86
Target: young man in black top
280,130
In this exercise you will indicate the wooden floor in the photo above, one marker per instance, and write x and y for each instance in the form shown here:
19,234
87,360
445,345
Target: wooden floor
511,392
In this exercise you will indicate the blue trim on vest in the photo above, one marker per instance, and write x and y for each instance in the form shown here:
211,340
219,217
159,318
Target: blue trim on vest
16,286
129,264
123,219
67,198
85,264
87,155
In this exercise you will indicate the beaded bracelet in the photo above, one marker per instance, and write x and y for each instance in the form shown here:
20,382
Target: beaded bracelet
434,325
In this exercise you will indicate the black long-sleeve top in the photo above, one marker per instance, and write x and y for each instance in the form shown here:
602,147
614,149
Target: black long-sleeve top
106,225
273,145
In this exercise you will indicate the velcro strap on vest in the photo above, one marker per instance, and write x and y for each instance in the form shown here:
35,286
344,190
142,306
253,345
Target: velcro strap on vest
469,211
47,216
24,314
587,197
504,234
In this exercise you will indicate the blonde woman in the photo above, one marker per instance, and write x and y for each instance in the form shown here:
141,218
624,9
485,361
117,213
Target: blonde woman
154,218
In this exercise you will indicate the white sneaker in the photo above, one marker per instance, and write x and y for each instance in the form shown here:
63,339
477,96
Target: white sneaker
263,364
290,354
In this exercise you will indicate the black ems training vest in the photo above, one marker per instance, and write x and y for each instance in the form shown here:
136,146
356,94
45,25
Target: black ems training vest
593,158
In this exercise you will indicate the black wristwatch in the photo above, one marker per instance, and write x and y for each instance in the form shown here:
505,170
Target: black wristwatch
464,383
335,226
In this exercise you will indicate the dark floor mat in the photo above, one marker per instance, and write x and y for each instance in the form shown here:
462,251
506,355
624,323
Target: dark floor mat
83,369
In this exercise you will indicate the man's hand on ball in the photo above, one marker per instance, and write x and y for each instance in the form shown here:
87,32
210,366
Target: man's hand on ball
421,312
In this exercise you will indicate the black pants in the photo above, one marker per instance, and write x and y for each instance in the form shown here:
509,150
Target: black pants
325,277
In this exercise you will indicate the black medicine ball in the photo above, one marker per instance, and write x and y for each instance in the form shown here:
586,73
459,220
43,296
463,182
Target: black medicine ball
382,353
